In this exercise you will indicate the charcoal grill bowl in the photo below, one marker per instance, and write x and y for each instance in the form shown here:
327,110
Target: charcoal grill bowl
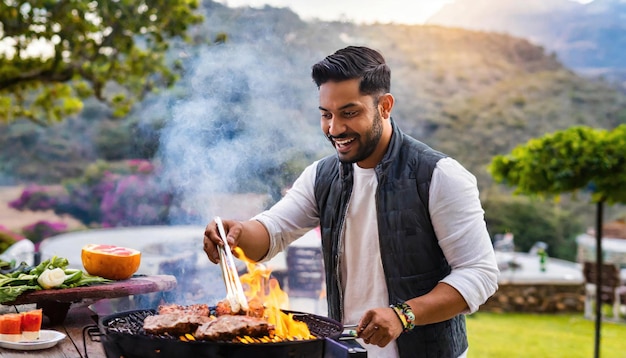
138,344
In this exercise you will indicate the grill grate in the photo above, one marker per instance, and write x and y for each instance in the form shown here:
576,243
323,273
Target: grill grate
131,324
318,325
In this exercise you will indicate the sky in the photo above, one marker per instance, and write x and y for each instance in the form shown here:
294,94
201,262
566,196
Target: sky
360,11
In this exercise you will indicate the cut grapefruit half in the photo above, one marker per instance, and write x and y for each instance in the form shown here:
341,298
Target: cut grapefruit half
110,261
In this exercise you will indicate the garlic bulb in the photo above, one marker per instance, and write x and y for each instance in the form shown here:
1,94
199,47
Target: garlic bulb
51,278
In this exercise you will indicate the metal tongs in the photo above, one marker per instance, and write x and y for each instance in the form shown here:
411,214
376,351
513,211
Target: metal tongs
234,290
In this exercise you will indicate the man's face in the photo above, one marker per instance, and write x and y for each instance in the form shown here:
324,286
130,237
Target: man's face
352,122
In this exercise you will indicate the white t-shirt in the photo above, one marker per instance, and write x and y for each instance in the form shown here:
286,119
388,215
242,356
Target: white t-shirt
457,217
363,278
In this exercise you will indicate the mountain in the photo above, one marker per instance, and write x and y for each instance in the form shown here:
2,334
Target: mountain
589,38
472,94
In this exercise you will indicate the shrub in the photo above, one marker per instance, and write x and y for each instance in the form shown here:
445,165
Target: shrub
127,193
8,238
43,229
135,200
35,198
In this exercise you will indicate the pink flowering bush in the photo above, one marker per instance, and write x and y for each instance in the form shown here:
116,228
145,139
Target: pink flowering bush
140,166
108,194
35,198
43,229
135,200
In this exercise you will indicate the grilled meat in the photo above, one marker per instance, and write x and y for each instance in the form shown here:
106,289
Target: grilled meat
173,323
222,308
194,310
255,309
228,327
177,320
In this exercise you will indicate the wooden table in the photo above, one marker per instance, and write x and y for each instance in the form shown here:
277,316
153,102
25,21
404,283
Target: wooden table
79,322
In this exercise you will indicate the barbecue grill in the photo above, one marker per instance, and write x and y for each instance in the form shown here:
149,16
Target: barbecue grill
122,335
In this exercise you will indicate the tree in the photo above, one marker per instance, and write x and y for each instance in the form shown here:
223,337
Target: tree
55,54
579,158
532,221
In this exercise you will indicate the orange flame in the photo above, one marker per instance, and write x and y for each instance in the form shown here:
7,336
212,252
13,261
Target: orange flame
260,287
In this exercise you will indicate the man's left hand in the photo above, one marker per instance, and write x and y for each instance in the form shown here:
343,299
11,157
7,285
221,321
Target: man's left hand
379,326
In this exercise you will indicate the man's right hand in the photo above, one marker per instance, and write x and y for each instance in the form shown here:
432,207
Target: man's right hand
212,237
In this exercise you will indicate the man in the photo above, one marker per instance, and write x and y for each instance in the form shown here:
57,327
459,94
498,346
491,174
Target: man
406,249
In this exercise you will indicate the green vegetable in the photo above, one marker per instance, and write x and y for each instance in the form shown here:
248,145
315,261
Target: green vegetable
51,278
19,280
11,293
25,278
50,264
72,276
86,280
6,265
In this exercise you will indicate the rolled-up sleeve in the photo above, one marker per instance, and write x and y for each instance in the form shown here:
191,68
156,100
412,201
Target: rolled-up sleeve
458,219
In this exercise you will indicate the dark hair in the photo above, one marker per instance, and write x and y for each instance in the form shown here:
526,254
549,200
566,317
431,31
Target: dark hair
355,62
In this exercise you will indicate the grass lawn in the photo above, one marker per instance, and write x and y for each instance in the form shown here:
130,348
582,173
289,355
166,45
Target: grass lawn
513,335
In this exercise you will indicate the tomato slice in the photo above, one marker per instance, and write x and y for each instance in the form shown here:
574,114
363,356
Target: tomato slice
11,323
31,320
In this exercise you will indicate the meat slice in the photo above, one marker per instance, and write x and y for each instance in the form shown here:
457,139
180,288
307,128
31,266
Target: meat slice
173,323
223,308
228,327
255,309
200,309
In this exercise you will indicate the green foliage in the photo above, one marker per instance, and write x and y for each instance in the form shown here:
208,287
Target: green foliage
66,51
7,238
118,140
531,221
610,184
33,153
47,155
568,161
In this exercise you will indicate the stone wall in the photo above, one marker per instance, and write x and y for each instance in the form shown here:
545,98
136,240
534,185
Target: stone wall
537,298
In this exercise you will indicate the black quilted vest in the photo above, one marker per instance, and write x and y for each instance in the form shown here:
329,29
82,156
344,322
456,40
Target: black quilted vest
412,259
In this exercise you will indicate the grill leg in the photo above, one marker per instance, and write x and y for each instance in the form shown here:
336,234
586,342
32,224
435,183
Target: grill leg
55,311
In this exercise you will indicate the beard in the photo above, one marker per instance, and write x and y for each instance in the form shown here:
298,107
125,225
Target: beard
367,142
